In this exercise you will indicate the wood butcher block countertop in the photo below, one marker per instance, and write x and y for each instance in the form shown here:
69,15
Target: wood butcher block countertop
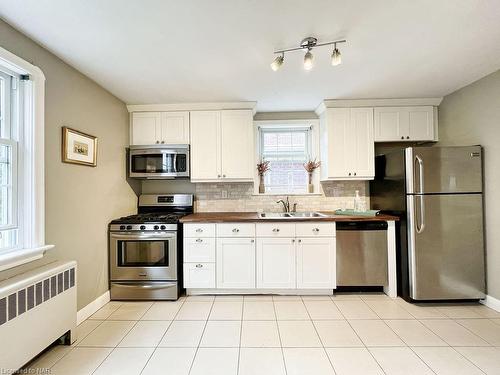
222,217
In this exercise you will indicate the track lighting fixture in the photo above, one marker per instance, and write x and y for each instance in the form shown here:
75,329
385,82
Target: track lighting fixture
278,61
307,44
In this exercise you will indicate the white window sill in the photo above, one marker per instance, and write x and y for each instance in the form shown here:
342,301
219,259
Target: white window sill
15,258
287,194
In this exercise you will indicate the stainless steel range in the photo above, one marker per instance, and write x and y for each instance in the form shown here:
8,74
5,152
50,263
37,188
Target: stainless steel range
145,249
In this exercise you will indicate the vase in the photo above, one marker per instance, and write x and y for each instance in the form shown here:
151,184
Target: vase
262,187
310,186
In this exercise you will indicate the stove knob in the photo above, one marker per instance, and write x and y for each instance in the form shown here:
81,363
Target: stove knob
122,227
163,227
129,227
142,227
156,227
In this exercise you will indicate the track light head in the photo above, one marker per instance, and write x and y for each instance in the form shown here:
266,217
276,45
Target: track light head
336,56
278,61
308,60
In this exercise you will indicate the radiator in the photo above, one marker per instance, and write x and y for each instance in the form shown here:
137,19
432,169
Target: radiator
36,308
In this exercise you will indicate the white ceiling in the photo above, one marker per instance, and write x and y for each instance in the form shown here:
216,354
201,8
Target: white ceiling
173,51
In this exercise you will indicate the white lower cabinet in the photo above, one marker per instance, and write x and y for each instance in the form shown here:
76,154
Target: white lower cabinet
199,275
316,263
235,260
276,263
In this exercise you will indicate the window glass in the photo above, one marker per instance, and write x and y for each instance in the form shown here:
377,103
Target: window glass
287,150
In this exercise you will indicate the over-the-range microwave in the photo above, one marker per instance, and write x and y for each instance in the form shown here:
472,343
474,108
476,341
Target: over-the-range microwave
159,161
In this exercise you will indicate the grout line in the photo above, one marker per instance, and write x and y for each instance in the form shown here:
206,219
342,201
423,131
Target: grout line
279,337
319,337
164,333
241,334
201,337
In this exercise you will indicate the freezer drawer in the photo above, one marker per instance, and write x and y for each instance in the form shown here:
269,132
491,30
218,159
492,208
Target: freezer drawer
362,254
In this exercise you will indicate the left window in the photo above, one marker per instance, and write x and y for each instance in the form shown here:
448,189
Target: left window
10,130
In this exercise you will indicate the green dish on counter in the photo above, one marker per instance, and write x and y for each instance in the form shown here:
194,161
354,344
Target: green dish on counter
369,213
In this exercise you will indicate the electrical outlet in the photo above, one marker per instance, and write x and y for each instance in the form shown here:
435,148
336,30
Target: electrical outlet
224,194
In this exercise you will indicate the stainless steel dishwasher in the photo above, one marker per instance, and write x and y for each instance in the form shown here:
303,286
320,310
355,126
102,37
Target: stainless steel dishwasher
361,253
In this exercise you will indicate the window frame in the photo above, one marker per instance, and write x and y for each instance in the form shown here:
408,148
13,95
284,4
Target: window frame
284,125
30,163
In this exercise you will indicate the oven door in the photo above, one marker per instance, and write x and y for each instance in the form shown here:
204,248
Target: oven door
159,163
143,256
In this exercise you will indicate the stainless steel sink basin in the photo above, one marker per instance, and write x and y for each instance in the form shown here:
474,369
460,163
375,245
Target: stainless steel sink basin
307,214
291,215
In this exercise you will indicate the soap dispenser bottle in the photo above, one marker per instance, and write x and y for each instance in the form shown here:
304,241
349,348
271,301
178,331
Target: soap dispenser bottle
357,201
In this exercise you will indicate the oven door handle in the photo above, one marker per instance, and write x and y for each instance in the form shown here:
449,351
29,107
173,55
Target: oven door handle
143,285
137,236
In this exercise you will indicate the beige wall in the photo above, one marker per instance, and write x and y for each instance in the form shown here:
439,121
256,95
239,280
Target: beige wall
471,116
80,201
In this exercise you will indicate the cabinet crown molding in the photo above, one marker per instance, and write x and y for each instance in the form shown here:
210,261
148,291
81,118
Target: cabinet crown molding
213,106
402,102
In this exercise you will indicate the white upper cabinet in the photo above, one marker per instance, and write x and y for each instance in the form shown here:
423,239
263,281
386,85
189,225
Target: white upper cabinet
144,128
175,127
347,144
205,145
222,145
150,128
405,124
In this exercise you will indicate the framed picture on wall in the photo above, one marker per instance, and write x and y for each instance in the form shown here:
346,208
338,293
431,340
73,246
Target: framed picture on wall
78,147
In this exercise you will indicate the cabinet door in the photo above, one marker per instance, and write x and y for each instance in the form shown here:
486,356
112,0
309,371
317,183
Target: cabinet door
276,263
205,146
175,127
337,123
316,263
199,250
361,143
237,153
235,262
145,128
421,123
391,124
199,275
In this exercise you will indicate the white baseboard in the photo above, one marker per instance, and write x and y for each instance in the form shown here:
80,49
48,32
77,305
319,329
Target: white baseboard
492,303
92,307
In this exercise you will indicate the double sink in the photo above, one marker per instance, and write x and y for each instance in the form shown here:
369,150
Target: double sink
291,215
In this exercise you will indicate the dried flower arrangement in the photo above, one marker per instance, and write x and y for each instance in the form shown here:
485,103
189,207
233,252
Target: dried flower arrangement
311,165
263,167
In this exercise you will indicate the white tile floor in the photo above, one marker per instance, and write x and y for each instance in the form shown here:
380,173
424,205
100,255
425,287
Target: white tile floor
263,335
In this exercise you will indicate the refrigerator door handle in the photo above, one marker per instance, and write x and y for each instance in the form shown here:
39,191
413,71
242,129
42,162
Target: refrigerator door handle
420,224
420,163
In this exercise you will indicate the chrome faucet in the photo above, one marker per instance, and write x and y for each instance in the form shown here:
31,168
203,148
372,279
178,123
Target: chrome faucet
286,205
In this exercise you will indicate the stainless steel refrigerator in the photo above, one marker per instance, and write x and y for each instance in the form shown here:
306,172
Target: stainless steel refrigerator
438,194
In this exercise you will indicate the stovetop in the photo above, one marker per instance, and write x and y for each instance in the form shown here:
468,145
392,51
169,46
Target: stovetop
153,217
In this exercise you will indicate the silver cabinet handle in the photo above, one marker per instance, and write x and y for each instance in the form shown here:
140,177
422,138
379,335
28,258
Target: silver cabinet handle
199,230
316,230
157,142
349,173
218,176
276,230
402,137
355,173
293,240
224,175
408,137
236,230
252,241
162,142
199,266
199,240
300,240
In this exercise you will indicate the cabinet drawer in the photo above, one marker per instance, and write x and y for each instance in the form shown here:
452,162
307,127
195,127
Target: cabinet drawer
199,275
199,230
199,249
275,230
315,230
236,230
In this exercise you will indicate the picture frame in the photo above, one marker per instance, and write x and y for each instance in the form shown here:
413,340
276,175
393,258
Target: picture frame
78,148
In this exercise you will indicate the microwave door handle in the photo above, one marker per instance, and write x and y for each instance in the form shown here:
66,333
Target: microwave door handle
175,163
